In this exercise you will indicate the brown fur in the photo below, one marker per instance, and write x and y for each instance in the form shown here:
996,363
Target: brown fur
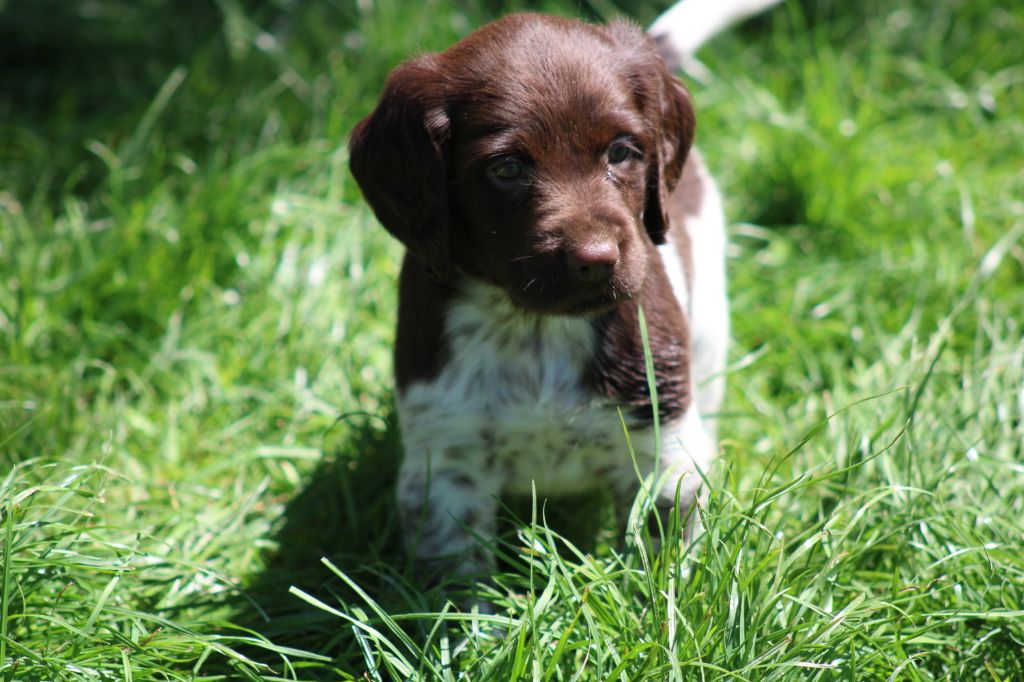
422,161
619,371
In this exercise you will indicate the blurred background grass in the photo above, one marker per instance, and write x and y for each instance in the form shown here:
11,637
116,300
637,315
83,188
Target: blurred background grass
196,311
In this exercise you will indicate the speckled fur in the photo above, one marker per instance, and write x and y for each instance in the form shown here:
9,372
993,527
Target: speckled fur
510,411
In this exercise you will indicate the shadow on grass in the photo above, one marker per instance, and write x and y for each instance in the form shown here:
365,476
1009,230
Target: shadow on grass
347,514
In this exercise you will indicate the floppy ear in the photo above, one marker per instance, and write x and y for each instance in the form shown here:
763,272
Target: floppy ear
398,156
674,128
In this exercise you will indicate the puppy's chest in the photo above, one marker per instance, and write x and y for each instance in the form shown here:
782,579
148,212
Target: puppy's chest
513,399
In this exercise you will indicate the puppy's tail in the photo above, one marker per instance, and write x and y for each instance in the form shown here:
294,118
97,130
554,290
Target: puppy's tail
688,24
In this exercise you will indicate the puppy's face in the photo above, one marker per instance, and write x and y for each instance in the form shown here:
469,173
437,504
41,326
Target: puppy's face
536,155
549,173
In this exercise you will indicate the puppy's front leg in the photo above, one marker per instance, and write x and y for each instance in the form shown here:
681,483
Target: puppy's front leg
443,507
687,453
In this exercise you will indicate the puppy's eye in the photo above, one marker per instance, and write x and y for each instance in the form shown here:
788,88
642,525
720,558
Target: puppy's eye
508,169
619,152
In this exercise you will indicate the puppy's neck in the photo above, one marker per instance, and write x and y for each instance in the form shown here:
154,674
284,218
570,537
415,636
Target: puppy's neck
486,312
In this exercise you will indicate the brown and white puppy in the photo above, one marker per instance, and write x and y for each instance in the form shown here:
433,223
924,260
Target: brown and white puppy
539,173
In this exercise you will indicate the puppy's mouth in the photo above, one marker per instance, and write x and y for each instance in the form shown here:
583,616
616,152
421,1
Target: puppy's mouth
570,303
596,305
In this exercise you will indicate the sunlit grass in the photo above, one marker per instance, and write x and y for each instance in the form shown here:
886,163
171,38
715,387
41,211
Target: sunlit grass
196,315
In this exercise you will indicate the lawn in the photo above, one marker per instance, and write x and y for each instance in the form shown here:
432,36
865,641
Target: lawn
197,438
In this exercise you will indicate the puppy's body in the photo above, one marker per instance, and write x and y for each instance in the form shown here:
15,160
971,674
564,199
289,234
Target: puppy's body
529,170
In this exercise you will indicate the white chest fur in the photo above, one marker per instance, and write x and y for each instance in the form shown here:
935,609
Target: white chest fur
511,400
509,412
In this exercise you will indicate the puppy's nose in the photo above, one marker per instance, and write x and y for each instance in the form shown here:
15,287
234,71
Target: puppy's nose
593,262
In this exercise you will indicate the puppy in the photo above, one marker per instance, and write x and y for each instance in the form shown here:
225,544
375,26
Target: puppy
539,173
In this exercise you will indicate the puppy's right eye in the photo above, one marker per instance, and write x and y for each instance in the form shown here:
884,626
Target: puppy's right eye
508,169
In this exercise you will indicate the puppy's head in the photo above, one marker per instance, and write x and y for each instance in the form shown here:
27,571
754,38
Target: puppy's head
536,154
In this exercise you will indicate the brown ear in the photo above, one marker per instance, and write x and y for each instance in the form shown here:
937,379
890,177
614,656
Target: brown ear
675,126
398,156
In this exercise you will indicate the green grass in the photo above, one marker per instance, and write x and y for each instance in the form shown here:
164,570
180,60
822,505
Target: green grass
197,443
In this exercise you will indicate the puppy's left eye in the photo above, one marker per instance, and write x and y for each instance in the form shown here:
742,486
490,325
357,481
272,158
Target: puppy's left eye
619,152
508,170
